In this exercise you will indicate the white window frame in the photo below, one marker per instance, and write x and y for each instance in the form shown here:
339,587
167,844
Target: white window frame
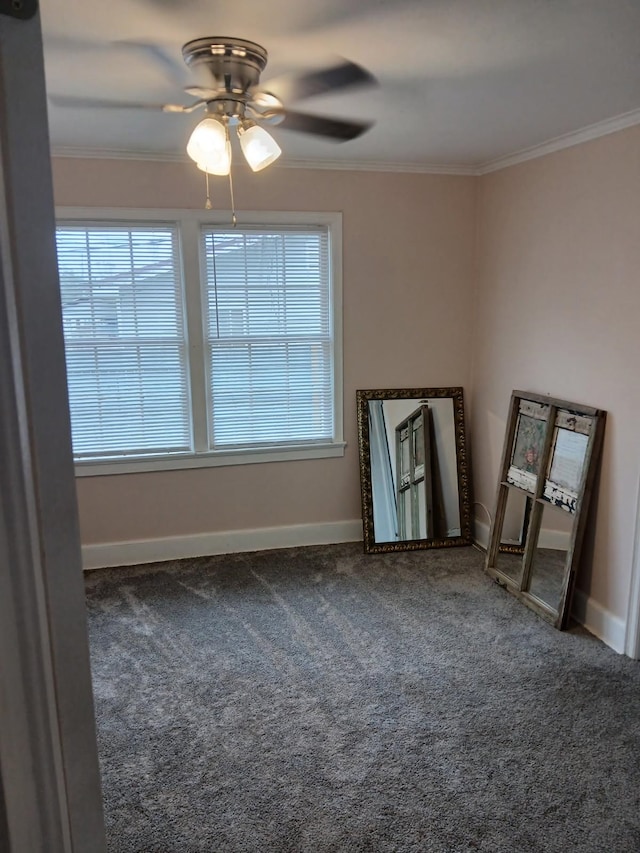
189,223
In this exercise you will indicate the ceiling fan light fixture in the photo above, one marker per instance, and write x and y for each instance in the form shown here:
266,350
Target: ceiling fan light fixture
258,146
208,145
218,163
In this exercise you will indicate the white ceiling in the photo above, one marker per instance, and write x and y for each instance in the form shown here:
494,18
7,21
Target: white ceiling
462,82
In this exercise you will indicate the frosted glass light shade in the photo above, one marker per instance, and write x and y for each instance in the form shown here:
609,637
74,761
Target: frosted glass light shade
259,147
209,146
218,165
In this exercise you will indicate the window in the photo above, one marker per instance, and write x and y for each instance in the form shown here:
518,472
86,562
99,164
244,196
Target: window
192,343
268,336
125,339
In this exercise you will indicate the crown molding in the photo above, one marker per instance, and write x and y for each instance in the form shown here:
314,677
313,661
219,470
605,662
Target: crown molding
81,153
78,152
373,166
567,140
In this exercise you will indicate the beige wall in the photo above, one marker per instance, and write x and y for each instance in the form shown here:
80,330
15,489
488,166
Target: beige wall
407,284
557,312
552,247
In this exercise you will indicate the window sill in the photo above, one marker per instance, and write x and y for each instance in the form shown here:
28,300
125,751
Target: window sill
182,461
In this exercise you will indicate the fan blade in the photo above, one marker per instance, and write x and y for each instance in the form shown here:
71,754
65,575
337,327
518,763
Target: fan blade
174,70
334,128
342,76
202,92
100,103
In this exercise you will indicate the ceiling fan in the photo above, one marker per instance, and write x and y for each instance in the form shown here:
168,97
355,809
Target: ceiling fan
226,86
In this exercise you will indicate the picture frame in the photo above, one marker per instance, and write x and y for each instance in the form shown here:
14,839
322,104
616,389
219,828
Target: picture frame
528,444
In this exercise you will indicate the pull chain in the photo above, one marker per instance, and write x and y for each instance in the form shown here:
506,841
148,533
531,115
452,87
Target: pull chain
207,205
234,218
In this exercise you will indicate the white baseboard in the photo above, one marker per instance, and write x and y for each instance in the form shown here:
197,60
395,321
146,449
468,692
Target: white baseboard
586,611
109,554
602,623
481,534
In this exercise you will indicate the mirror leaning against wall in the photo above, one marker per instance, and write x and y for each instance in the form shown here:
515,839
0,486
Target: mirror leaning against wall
414,470
546,479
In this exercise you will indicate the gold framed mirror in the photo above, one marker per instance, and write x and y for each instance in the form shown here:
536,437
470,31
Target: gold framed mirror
414,470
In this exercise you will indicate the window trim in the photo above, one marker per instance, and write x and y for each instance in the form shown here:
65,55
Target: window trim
189,223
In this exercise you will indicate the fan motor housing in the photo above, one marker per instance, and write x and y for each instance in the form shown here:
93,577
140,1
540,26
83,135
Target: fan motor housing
236,64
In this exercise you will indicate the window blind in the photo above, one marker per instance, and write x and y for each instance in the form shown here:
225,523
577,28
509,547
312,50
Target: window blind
125,339
268,335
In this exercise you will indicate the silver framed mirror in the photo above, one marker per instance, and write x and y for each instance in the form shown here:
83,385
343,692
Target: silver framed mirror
414,470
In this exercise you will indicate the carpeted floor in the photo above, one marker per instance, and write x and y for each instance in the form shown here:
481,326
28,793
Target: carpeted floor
320,699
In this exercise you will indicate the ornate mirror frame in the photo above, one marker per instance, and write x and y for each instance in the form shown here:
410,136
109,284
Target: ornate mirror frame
462,474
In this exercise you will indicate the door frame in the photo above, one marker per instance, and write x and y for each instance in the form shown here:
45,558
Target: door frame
632,632
49,774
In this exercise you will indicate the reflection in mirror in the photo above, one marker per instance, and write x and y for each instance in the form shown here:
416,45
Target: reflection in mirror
549,562
516,520
509,559
413,492
415,484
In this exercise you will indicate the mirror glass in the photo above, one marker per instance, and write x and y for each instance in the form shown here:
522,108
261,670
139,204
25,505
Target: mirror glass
509,559
549,563
415,486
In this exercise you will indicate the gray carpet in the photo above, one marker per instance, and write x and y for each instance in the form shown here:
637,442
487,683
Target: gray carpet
320,699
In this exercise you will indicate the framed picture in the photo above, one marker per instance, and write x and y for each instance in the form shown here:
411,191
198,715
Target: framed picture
567,460
528,445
